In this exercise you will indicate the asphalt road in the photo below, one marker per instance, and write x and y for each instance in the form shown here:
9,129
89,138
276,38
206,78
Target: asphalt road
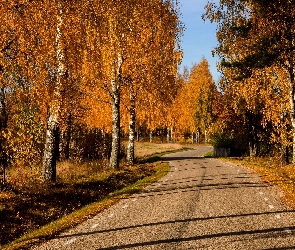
202,203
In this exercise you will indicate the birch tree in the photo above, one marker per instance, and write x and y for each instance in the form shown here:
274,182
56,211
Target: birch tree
65,71
206,97
49,160
131,40
159,33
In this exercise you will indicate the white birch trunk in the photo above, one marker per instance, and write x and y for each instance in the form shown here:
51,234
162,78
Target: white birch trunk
198,136
292,110
115,85
130,148
151,136
49,157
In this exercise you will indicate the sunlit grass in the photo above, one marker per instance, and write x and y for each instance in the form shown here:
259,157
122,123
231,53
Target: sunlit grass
208,155
23,175
70,174
147,149
80,215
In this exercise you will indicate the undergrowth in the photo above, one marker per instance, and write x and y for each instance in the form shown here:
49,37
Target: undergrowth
31,213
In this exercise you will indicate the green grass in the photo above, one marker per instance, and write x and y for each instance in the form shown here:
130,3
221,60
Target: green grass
157,156
208,155
161,168
78,216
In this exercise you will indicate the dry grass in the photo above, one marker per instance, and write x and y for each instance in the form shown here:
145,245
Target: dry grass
25,204
69,172
147,149
26,208
85,212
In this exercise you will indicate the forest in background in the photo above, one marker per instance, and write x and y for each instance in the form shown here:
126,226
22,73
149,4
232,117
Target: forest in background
76,76
79,77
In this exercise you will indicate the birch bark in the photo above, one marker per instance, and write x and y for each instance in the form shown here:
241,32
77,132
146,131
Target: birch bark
115,88
49,156
168,135
292,109
132,111
198,136
151,136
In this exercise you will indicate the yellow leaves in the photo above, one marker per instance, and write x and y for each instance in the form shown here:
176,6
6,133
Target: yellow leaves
91,34
7,134
194,97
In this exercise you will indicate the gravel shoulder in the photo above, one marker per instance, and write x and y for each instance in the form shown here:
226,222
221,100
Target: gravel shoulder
203,203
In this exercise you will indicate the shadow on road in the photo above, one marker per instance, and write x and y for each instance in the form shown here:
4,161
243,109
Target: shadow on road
263,233
181,158
280,248
272,232
193,184
198,187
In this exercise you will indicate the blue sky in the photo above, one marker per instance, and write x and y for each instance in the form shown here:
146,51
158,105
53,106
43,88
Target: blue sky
199,37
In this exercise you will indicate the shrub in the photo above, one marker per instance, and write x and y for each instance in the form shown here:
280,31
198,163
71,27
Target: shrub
220,140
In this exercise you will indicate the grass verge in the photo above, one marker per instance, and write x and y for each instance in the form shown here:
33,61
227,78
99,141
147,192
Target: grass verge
48,231
157,156
208,155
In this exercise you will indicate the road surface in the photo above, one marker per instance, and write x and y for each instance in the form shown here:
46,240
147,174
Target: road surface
203,203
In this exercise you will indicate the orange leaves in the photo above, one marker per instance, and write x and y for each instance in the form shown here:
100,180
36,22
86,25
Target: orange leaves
256,45
193,104
61,57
